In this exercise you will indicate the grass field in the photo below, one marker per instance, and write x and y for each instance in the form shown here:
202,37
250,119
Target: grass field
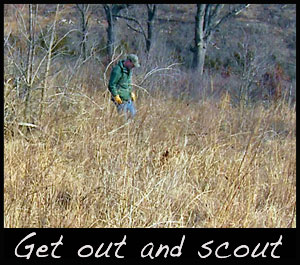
178,164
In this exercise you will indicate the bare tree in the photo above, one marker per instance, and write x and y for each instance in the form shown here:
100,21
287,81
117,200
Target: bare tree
147,34
111,11
207,21
49,57
32,16
31,36
84,17
29,54
250,58
151,14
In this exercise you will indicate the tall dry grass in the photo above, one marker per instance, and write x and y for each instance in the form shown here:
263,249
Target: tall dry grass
177,164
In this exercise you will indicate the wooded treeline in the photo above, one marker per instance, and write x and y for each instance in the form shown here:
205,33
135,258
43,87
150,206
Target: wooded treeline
188,50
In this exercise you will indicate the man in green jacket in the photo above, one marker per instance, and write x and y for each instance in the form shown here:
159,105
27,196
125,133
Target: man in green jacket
120,85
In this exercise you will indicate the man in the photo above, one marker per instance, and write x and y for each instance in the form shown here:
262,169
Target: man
120,85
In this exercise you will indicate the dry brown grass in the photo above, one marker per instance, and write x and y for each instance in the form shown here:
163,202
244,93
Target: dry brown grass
177,165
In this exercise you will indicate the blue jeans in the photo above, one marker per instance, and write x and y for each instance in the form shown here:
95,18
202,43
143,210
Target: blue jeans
127,108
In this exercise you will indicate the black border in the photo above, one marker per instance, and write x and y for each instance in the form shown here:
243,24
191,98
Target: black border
191,241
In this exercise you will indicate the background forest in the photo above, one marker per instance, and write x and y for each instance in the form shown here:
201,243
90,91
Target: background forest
214,141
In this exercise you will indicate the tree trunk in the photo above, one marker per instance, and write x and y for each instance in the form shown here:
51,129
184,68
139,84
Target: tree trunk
48,64
200,46
83,9
27,89
207,20
151,14
31,44
110,31
111,12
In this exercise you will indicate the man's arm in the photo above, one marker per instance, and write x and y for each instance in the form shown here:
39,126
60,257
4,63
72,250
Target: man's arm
114,79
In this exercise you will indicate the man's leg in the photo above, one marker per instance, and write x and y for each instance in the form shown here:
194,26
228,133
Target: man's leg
131,109
127,108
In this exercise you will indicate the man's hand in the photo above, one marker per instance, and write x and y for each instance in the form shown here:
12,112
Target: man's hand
133,97
118,99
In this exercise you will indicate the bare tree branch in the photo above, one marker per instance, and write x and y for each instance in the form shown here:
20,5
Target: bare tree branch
136,21
234,12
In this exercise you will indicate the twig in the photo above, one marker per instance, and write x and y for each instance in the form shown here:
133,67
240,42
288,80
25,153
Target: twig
142,88
113,131
164,222
27,124
157,70
83,95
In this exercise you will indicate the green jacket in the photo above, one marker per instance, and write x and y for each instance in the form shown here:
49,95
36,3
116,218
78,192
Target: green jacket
120,82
